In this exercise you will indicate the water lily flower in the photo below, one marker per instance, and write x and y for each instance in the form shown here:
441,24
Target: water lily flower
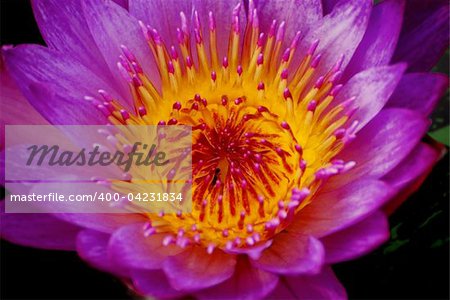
307,121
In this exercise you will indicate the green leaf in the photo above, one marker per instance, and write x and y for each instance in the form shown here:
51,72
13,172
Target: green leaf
441,135
394,245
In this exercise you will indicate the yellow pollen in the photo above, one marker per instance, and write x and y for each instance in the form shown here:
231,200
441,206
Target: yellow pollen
264,131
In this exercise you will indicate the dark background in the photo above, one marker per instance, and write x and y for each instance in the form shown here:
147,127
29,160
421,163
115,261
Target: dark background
414,264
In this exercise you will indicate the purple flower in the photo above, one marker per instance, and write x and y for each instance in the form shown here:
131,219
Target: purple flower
307,119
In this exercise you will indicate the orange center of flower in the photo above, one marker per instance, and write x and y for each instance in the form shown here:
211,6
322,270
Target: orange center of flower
264,132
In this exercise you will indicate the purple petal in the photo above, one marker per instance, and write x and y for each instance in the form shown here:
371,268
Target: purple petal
16,110
356,240
246,283
55,84
413,165
37,230
123,3
419,92
60,109
292,254
321,286
382,144
163,15
106,223
328,5
379,42
425,34
102,222
129,246
91,247
299,15
254,251
339,33
64,28
15,107
411,172
418,11
195,269
372,89
335,209
15,170
110,218
112,26
153,283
